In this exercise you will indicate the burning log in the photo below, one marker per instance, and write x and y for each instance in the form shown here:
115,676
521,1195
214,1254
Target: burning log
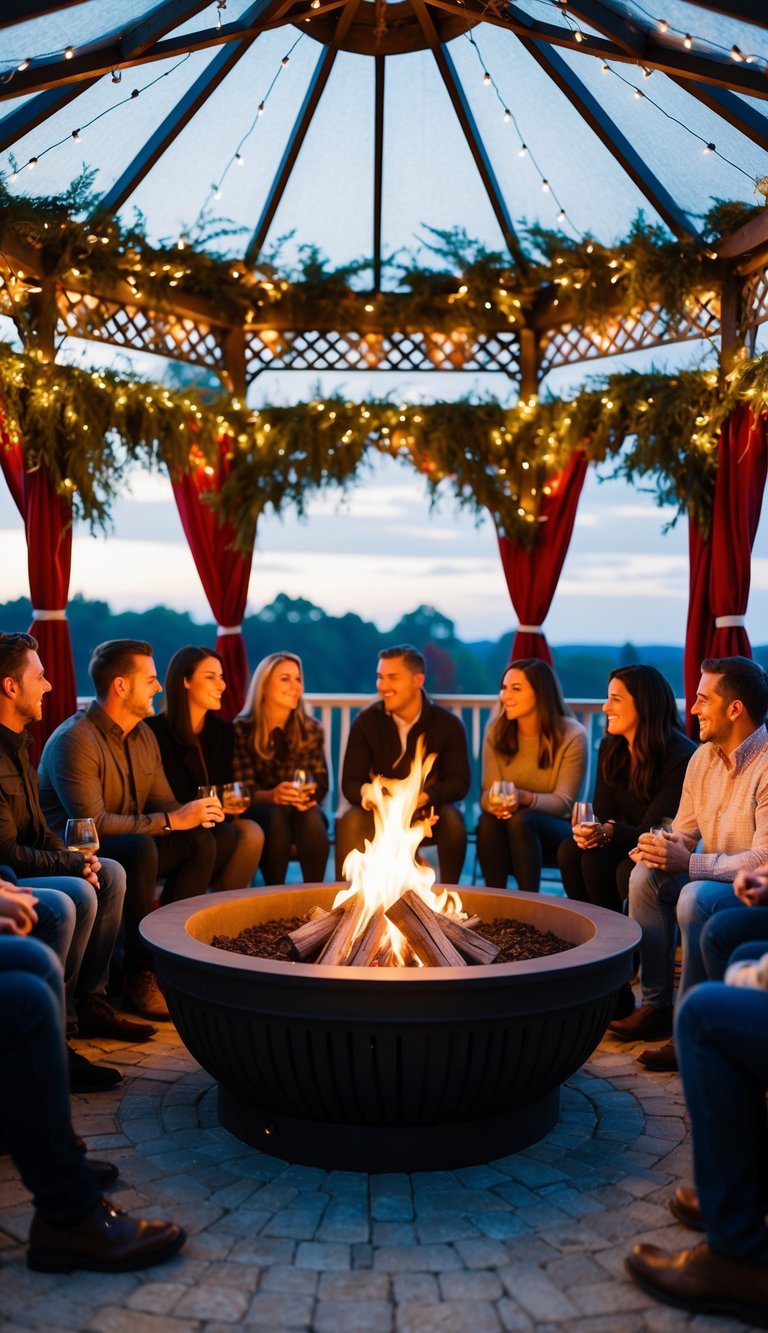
423,930
475,948
309,939
337,947
472,921
370,943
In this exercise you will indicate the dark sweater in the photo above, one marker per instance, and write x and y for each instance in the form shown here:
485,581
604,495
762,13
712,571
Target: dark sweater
27,844
632,814
187,767
373,749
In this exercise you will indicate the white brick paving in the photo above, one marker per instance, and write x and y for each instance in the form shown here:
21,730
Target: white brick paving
535,1241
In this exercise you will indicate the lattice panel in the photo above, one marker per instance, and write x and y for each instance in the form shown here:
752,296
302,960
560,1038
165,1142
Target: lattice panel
629,333
755,299
282,349
164,333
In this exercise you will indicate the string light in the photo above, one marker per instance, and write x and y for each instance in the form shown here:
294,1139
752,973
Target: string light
238,158
507,116
68,54
76,134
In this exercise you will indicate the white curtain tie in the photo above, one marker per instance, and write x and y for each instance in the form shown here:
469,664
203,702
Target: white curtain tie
530,629
49,615
229,629
725,622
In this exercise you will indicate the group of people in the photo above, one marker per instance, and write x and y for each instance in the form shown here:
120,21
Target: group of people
679,839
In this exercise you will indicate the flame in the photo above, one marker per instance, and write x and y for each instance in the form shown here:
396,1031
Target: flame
387,866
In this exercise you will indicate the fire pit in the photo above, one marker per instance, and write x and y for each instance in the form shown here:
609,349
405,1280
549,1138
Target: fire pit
388,1069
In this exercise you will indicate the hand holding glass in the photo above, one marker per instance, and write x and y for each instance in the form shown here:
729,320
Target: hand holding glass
503,795
81,835
304,783
208,793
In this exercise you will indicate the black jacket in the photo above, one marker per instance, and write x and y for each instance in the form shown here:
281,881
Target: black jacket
208,764
27,844
373,749
632,814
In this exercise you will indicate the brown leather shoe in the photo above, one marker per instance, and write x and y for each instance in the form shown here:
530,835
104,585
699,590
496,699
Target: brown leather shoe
104,1241
143,994
96,1017
647,1023
661,1058
702,1281
684,1205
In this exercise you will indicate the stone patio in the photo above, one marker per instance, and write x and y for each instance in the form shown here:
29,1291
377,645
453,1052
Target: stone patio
533,1241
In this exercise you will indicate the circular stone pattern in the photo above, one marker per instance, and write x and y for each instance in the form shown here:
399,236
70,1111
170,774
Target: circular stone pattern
387,1069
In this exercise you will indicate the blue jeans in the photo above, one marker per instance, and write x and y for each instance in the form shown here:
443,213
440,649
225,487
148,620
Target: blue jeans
654,905
519,846
93,917
726,930
35,1120
721,1037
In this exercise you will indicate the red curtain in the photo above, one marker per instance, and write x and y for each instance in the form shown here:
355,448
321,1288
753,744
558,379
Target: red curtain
700,626
742,461
532,575
224,572
48,530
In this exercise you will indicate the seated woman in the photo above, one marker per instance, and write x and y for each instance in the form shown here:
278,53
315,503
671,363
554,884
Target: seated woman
275,738
197,749
641,764
534,742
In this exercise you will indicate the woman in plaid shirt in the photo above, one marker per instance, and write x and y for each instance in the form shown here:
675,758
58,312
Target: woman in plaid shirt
275,740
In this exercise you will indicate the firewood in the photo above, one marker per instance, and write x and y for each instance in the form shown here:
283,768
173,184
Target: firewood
308,940
423,931
338,945
471,922
475,948
367,945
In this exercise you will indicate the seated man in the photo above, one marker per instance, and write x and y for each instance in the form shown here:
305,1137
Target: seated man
73,1226
105,763
84,895
725,804
382,742
728,927
721,1032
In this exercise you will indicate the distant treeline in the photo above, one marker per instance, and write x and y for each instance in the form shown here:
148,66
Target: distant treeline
339,652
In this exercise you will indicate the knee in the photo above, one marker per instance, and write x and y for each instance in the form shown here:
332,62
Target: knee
250,834
28,1000
568,855
451,822
113,879
27,956
688,904
84,898
641,887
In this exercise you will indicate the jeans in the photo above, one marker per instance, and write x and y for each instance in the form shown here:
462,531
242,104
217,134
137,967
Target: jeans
285,828
185,858
449,835
35,1120
599,876
721,1038
519,846
698,902
653,896
727,929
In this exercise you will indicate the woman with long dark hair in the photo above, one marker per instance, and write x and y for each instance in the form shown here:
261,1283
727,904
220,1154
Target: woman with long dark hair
640,770
197,749
276,741
534,743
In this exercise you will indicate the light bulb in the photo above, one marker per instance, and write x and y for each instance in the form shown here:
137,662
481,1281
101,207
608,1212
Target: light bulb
687,41
487,79
260,111
76,136
240,160
285,61
24,65
736,53
709,148
561,215
545,185
523,150
68,54
32,163
663,25
507,115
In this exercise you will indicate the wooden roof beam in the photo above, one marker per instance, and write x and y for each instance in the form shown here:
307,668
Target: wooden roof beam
611,136
183,111
162,19
21,11
378,167
37,109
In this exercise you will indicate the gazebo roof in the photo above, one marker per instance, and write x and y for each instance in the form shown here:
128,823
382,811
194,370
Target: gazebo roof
380,118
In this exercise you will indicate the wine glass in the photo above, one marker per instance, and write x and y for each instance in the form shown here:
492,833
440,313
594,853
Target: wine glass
235,798
502,794
583,817
81,835
304,782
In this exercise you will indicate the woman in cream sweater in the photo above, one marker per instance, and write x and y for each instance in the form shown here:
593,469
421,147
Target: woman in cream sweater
534,742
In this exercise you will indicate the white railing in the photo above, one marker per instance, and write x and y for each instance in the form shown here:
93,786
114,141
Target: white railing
337,712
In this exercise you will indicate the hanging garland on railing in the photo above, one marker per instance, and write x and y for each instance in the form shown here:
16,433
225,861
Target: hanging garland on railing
472,288
656,430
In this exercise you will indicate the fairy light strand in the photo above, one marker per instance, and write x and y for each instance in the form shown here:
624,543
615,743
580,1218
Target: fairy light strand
237,158
77,133
524,151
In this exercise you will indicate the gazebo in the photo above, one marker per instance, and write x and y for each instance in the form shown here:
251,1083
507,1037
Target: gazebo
189,89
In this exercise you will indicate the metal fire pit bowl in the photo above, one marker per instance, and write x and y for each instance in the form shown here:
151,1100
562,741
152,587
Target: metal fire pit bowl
388,1069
